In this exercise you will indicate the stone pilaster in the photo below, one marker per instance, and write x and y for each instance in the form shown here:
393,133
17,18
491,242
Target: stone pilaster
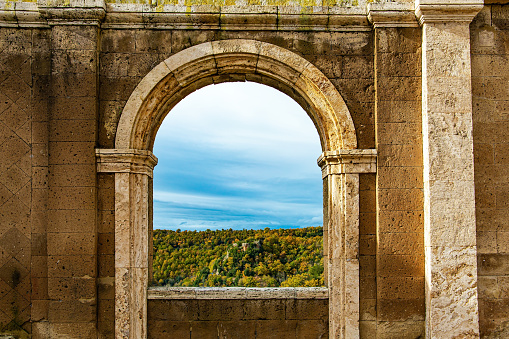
448,175
132,169
72,199
399,281
340,172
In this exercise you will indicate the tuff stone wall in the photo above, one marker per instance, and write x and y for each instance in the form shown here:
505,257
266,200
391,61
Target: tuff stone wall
63,88
400,234
24,80
490,72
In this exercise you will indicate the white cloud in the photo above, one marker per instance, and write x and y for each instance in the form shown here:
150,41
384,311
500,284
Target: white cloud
237,137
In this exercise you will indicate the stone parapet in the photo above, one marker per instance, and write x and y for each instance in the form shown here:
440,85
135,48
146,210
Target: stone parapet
226,293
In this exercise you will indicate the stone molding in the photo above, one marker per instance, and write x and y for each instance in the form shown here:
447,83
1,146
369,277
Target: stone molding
21,14
46,13
72,12
348,162
236,293
447,10
286,18
125,161
392,14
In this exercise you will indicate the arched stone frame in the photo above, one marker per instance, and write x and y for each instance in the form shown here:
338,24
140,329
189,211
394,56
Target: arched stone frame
132,162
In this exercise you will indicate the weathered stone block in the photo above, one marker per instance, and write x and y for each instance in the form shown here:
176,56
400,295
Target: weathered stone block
234,329
72,221
160,329
264,309
274,328
400,243
400,199
401,309
306,309
392,111
72,288
312,329
400,177
224,310
78,266
67,153
71,311
82,175
173,310
401,265
72,198
368,288
71,243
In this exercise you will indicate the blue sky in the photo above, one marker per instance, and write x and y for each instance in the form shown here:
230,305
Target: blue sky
237,155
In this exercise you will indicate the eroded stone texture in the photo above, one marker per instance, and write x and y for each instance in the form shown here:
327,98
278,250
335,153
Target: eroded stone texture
449,205
72,182
399,241
293,318
490,121
68,69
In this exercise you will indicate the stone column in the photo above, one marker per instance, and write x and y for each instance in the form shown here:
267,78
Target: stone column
132,170
340,172
449,205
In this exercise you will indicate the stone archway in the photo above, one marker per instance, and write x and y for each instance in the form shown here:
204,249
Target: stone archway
132,162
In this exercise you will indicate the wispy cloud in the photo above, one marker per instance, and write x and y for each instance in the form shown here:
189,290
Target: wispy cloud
239,156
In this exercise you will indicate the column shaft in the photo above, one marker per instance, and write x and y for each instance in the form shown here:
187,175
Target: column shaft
448,174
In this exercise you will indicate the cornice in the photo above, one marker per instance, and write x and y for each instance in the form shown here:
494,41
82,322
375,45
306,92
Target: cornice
21,14
348,161
435,11
72,12
47,13
283,18
125,161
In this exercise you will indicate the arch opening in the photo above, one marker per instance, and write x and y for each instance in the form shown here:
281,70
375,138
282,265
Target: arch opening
132,162
237,161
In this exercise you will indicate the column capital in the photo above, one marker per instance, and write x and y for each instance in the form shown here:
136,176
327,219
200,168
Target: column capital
348,161
125,161
447,10
72,12
392,14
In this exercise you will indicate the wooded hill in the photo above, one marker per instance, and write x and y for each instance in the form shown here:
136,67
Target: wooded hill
249,258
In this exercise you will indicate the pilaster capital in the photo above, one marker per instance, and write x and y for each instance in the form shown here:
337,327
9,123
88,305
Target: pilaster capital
392,14
348,161
447,10
72,12
125,161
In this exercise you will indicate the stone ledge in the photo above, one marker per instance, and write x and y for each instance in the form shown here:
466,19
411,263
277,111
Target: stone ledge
45,14
125,161
238,293
348,161
392,14
447,10
286,18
